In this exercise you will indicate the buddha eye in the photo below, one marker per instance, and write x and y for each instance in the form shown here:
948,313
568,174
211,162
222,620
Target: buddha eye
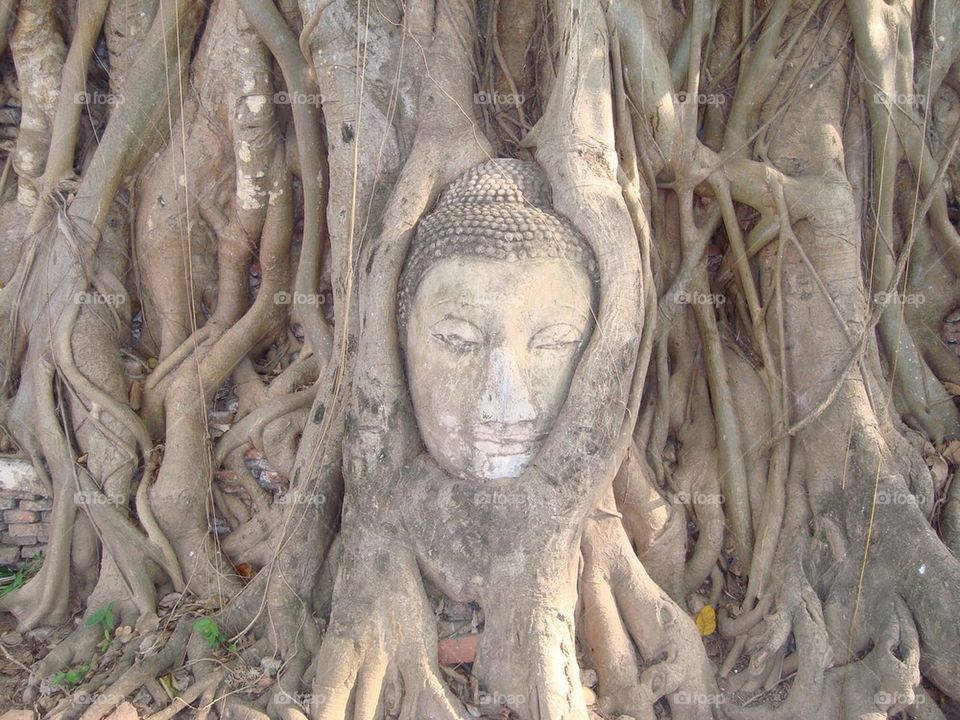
458,335
556,337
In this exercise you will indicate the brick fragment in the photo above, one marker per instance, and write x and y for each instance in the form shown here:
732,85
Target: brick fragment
20,517
37,505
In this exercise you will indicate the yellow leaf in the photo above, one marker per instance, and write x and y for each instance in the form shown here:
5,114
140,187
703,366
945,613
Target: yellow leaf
952,388
707,620
166,682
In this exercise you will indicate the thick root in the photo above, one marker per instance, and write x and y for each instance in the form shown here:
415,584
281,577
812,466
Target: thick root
371,633
617,594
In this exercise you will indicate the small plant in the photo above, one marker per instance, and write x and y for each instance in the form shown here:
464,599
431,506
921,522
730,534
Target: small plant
210,631
74,676
69,678
11,579
103,618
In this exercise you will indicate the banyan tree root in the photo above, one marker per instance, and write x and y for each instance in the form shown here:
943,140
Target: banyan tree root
856,620
622,608
46,313
527,651
379,644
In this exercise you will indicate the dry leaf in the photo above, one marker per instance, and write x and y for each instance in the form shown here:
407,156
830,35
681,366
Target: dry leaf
136,394
149,642
707,620
951,451
169,600
147,623
939,470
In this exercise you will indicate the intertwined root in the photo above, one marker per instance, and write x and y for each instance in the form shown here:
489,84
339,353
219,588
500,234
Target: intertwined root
884,615
640,642
622,608
379,653
883,682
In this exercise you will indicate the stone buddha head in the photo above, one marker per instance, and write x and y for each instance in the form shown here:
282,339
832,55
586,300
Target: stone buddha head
495,307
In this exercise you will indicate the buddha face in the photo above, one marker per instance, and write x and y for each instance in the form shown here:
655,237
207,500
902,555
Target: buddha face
491,349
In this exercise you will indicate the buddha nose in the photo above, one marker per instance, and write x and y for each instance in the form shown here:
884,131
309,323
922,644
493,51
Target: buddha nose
505,396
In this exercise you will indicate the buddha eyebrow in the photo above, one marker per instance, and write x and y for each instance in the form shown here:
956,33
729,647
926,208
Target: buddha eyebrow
452,316
582,314
458,303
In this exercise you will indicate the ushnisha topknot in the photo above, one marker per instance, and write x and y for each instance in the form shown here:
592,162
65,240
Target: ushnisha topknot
501,210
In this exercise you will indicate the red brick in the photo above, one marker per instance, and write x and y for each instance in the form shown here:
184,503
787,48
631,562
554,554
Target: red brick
19,530
458,650
9,554
7,503
20,516
36,505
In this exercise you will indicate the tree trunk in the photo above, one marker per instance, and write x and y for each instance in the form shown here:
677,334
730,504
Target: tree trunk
208,217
